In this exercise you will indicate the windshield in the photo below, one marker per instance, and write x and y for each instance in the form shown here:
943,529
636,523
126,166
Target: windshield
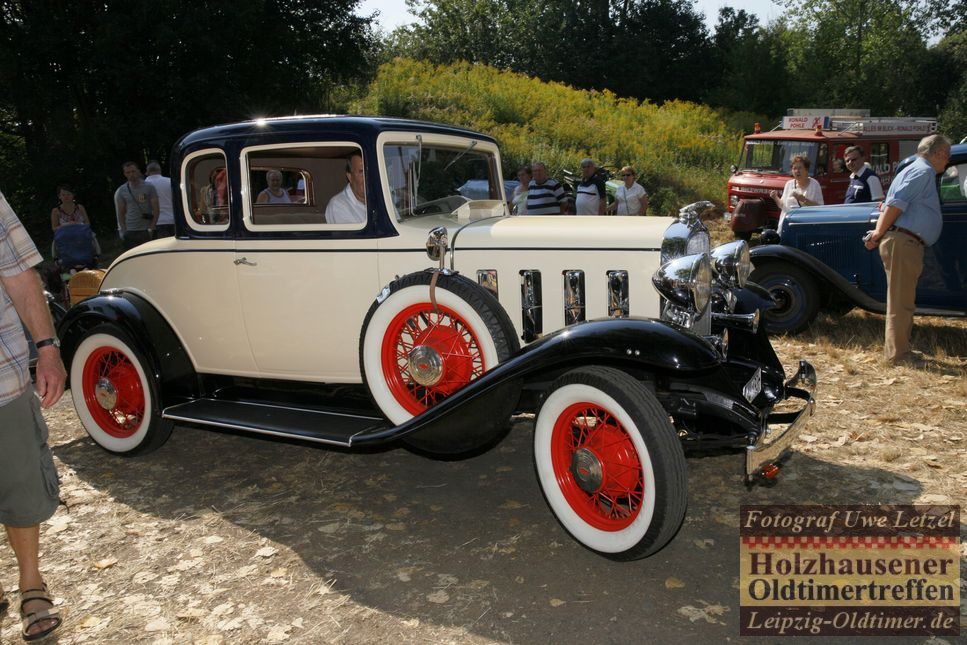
775,156
432,179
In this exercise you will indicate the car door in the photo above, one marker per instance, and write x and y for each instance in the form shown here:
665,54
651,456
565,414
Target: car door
305,284
943,283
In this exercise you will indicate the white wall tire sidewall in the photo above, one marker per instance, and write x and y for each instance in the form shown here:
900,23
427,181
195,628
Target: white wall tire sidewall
105,440
376,331
591,537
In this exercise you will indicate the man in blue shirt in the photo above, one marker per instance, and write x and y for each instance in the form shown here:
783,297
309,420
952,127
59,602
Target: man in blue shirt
909,220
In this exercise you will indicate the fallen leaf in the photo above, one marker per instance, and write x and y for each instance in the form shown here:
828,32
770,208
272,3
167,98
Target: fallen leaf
438,597
90,622
808,438
214,539
266,552
557,602
281,572
674,583
157,625
106,563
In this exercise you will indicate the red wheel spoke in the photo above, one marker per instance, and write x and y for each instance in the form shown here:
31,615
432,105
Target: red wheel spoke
619,494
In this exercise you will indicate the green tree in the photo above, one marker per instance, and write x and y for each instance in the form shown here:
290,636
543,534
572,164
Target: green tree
751,64
654,49
858,54
88,85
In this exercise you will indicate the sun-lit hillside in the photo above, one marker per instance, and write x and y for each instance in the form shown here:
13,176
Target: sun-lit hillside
682,150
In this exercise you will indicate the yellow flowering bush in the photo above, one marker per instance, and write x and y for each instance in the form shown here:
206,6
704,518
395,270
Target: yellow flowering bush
681,150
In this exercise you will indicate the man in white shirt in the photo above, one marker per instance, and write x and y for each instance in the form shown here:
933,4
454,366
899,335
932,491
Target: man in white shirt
165,226
349,206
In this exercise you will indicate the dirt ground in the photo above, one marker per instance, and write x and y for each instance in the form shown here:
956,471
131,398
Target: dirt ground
219,538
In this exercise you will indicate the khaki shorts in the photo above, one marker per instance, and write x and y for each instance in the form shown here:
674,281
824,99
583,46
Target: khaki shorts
29,491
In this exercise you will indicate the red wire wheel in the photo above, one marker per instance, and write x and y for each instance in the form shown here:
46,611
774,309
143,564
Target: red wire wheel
113,392
597,467
442,335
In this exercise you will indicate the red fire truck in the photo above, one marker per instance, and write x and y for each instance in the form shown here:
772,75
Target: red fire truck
823,136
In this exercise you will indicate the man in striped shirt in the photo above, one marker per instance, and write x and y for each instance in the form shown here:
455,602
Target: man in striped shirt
545,196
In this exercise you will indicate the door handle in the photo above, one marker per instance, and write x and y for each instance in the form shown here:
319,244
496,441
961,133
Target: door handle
246,262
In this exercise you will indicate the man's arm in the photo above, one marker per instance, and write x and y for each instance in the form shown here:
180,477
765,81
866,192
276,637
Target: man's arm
121,209
602,196
876,188
27,294
155,211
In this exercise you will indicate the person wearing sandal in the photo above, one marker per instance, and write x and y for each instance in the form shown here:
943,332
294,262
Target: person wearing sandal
29,490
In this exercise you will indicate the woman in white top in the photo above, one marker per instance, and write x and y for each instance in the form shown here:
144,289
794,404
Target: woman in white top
519,200
275,193
801,190
631,198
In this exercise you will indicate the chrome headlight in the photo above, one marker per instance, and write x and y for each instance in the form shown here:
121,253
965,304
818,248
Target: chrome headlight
732,264
686,282
687,235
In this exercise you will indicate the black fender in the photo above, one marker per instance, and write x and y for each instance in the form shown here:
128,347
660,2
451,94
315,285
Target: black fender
825,277
634,345
146,327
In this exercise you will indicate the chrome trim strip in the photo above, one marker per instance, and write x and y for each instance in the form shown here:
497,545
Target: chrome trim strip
487,278
618,305
531,300
574,301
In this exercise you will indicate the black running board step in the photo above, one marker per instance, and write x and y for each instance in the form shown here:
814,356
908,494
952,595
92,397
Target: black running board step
323,426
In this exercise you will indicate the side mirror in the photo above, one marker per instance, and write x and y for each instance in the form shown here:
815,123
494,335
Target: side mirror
733,169
437,244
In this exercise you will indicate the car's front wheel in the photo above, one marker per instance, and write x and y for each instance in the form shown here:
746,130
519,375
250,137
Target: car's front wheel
609,463
115,393
796,295
414,353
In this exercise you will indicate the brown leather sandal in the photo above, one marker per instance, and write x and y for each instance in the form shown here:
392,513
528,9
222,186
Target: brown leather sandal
32,618
4,603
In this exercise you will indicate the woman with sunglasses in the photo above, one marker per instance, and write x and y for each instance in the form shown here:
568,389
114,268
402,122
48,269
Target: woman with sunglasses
630,198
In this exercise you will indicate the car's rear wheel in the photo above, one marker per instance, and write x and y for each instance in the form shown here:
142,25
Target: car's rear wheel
115,393
414,354
796,295
609,463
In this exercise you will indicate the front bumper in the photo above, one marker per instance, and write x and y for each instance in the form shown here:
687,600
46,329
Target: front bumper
771,444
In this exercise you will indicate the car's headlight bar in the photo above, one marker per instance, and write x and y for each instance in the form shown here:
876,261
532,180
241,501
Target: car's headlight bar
686,282
732,264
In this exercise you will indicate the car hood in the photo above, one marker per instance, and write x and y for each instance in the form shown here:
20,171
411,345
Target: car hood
561,232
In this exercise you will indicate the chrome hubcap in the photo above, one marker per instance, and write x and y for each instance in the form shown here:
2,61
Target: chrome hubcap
587,471
106,395
426,365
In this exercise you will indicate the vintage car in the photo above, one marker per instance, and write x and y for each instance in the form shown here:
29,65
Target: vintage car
818,262
286,318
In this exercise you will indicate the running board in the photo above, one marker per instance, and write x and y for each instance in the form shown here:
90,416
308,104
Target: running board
322,426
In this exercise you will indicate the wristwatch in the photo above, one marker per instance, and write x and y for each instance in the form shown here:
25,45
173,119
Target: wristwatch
48,341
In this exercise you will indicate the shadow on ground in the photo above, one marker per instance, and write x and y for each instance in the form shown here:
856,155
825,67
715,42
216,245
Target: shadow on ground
469,543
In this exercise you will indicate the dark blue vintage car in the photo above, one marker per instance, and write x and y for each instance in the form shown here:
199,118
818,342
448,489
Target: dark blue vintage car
821,263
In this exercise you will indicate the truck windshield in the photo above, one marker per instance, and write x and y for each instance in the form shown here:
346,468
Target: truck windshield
775,156
431,179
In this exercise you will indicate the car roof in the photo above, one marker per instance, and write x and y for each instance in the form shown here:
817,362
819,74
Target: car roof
958,154
834,135
319,123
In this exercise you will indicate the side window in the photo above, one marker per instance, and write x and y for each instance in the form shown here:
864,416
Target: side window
953,184
822,160
206,191
880,158
304,187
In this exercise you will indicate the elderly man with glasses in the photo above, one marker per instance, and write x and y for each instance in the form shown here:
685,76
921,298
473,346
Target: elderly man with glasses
864,185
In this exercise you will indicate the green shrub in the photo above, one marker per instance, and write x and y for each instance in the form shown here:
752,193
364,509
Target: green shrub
681,150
